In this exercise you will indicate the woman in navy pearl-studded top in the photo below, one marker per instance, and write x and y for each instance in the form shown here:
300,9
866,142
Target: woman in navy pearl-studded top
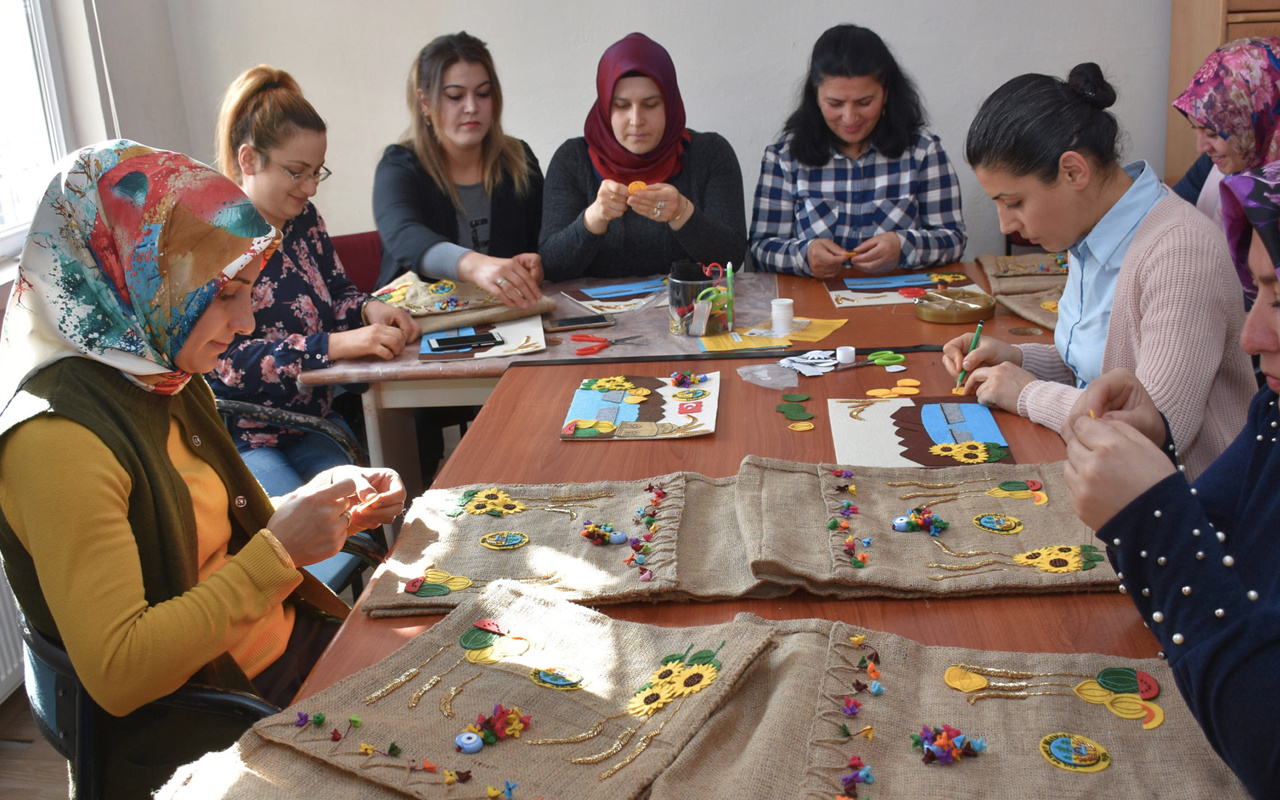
1201,561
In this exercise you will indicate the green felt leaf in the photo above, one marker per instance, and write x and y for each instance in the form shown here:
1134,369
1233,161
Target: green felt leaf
1121,680
995,452
475,638
799,415
786,408
584,432
1014,486
795,398
432,590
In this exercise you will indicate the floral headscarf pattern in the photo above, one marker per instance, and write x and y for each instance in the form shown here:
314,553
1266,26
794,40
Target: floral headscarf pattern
1251,201
1236,92
127,249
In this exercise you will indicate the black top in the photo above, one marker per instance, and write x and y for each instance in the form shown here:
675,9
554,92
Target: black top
633,245
1193,181
413,214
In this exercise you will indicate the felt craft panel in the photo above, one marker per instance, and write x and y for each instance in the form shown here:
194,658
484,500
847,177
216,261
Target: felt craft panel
767,726
1031,306
615,659
1022,283
619,297
641,407
899,431
785,510
518,336
883,290
778,735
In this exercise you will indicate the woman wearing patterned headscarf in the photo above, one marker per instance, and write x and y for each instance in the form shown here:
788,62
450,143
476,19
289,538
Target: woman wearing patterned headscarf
1201,563
171,565
1233,103
640,191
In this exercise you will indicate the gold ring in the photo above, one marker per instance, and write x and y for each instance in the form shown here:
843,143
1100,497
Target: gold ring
347,514
657,212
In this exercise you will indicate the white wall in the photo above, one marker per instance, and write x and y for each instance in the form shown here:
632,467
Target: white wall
739,64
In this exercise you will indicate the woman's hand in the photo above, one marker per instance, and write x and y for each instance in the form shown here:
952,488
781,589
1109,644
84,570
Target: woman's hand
314,521
382,341
826,258
878,254
1118,395
610,203
659,202
957,358
379,496
999,386
377,312
1109,463
514,281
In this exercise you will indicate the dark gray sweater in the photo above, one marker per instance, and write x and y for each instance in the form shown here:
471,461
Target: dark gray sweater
633,245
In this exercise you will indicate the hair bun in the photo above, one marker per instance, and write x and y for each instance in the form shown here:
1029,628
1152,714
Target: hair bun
1087,80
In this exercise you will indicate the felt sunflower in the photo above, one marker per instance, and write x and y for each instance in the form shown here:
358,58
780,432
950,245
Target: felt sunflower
1061,559
493,501
945,449
615,383
947,277
649,699
693,679
665,673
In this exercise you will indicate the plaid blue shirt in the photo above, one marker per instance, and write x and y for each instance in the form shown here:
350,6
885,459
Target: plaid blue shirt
850,200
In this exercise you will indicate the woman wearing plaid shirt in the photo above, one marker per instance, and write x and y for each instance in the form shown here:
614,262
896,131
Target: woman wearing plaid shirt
856,180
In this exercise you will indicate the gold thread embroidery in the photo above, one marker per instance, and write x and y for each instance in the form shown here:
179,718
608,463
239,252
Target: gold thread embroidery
404,678
446,702
417,696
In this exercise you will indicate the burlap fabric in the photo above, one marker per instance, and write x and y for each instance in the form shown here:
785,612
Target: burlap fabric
695,553
1018,284
475,306
767,727
778,736
785,510
615,659
1028,306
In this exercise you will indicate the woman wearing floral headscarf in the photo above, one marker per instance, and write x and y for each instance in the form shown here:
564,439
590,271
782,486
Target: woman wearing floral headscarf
640,190
1200,562
171,565
1233,103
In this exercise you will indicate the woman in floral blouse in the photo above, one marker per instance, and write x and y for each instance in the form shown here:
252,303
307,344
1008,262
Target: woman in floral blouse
307,312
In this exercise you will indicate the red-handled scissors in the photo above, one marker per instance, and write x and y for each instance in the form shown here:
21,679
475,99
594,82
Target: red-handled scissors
603,343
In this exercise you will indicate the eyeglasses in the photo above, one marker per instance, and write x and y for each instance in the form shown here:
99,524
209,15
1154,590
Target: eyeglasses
318,176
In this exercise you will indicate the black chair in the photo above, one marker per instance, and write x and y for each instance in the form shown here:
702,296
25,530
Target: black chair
362,550
181,727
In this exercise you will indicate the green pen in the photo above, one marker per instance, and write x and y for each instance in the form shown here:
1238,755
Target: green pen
976,336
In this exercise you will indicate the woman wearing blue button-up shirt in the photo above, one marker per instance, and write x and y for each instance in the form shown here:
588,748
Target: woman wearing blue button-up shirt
856,181
1150,289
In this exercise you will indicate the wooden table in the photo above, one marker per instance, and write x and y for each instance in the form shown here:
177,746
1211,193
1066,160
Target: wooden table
515,439
405,383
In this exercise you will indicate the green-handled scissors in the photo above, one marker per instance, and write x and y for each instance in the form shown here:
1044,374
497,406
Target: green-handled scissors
881,358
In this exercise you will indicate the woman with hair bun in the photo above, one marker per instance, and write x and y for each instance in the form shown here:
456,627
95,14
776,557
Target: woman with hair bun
856,181
458,199
1151,287
307,313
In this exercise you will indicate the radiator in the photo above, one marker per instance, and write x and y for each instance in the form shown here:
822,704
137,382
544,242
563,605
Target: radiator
10,642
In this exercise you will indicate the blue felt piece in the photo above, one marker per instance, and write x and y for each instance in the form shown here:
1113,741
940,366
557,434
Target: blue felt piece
892,282
977,421
589,404
425,347
625,289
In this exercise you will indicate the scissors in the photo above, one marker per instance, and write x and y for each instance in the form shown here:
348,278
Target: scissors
881,358
603,343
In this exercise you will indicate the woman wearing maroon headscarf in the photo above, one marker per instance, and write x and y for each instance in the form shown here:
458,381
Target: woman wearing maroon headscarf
640,190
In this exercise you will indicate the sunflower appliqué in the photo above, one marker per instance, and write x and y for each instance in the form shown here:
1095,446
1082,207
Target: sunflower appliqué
970,452
1061,559
947,277
615,383
492,501
680,675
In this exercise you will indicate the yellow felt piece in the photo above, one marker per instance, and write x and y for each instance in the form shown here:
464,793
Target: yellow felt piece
1093,692
639,391
587,423
605,427
903,391
908,382
879,393
482,656
1041,498
801,426
1155,716
633,400
1127,706
964,680
509,646
458,582
436,576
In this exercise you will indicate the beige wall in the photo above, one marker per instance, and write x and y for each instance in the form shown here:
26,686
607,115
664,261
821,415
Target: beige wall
739,62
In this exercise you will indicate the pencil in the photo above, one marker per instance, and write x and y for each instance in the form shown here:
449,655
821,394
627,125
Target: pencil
976,336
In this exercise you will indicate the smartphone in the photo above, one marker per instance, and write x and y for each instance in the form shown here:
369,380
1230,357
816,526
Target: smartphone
443,344
575,323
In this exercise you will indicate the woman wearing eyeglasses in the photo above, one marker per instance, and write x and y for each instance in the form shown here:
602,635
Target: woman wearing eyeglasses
307,313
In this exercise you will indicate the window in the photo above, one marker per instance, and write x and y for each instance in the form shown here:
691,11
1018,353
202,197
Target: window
31,138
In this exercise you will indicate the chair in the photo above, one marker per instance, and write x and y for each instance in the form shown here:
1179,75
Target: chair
361,257
361,550
181,727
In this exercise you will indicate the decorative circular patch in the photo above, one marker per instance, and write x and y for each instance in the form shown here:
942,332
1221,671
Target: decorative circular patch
565,679
691,394
998,523
801,426
443,287
477,639
504,540
1074,753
